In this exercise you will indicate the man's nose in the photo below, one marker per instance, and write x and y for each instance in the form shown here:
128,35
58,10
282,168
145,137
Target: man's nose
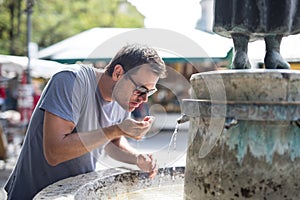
143,98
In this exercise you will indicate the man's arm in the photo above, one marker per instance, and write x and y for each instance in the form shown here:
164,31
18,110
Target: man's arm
119,149
61,145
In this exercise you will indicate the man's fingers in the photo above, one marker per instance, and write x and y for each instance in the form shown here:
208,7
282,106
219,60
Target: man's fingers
154,172
149,118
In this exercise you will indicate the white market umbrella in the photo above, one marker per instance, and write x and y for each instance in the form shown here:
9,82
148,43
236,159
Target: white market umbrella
38,67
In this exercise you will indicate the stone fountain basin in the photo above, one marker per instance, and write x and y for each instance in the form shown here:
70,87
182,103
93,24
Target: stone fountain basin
109,183
255,85
243,135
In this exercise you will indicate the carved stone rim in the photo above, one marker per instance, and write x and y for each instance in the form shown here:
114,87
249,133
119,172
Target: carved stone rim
253,72
243,102
242,110
108,183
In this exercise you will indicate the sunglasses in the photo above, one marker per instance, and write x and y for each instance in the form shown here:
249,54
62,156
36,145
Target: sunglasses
141,90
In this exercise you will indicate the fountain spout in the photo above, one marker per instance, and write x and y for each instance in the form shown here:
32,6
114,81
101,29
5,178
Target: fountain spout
183,118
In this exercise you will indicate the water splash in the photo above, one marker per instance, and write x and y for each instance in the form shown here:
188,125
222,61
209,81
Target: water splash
173,142
173,138
162,174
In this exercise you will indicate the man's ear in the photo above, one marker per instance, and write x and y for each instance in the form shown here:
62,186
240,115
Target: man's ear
118,72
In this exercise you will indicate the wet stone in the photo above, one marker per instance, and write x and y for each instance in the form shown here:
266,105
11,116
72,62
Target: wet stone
258,157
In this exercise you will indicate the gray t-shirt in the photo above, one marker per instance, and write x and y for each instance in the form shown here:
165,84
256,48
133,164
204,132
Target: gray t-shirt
73,95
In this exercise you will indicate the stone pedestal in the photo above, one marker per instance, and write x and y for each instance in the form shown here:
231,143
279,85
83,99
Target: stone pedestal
244,135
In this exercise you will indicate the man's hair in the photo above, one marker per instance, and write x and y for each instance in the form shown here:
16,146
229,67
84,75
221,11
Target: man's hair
134,55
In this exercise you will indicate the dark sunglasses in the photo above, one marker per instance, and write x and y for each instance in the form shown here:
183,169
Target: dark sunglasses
141,90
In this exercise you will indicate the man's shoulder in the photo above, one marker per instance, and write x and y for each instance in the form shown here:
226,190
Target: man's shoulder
77,68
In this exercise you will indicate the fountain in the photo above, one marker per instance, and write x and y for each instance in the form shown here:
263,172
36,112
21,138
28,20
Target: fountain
256,155
245,124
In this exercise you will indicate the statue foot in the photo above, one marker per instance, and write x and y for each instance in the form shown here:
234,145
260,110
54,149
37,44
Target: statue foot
273,60
241,60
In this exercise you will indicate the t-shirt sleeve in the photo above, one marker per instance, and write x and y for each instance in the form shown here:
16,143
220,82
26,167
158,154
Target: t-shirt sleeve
60,97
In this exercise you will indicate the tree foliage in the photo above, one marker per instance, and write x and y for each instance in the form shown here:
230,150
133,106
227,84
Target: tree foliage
55,20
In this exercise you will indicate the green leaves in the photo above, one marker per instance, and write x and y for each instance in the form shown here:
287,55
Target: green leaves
55,20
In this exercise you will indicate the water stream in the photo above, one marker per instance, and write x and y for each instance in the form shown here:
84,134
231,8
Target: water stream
161,191
173,138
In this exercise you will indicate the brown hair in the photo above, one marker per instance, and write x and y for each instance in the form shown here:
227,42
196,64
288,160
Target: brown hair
134,55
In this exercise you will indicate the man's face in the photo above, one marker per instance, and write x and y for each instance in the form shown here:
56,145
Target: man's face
135,87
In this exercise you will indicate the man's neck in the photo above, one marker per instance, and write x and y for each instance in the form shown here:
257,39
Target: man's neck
105,86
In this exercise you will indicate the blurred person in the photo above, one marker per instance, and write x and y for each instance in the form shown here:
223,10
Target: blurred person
2,97
36,94
82,110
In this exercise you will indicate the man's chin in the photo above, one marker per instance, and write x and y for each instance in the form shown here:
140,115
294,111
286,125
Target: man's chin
132,106
131,109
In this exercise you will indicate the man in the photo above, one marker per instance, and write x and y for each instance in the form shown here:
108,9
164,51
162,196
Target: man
82,110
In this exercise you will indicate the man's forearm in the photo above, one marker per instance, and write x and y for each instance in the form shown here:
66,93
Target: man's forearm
76,144
120,150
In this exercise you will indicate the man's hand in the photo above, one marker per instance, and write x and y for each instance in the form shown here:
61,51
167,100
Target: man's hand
147,164
136,129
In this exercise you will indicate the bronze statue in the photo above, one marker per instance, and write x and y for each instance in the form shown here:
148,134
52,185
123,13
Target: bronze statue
249,20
